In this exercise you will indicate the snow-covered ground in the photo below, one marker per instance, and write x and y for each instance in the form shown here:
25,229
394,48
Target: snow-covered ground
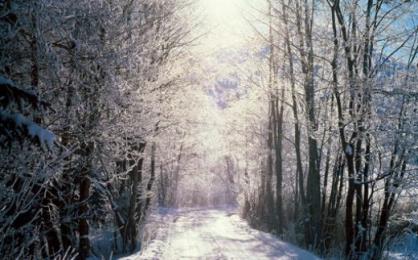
211,234
404,247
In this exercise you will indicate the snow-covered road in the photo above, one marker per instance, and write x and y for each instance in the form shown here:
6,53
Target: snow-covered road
214,234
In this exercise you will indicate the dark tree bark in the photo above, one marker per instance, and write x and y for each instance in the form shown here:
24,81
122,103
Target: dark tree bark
130,229
279,162
84,190
296,124
151,179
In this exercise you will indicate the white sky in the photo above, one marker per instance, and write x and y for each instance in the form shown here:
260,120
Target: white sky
225,23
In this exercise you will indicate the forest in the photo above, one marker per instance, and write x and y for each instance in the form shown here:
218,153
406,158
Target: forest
209,129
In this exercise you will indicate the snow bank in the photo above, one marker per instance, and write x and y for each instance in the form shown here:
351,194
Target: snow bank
405,247
44,136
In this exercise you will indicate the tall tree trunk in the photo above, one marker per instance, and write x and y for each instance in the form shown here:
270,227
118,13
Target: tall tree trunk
313,189
130,229
268,191
334,202
268,202
279,162
176,174
347,145
150,183
297,132
84,189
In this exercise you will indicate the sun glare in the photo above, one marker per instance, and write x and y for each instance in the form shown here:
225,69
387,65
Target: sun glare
222,11
224,21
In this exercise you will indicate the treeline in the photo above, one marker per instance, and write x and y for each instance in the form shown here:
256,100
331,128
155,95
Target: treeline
85,91
329,153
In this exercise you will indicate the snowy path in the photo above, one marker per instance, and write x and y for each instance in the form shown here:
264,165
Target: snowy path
214,234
